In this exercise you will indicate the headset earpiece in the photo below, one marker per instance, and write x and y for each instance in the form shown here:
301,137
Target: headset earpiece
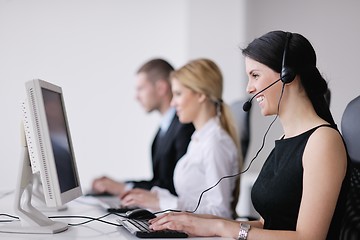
287,74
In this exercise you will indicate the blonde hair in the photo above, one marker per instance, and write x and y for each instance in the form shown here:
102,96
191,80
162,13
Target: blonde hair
204,76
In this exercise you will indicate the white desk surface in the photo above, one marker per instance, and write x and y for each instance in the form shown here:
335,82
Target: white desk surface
93,230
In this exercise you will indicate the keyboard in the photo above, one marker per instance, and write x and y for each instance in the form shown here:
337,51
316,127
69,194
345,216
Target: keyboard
113,205
110,203
140,228
120,209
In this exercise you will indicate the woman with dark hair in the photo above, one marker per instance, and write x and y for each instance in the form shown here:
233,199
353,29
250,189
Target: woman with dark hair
300,191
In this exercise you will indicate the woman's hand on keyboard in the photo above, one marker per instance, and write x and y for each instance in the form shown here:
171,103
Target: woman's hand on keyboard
195,224
141,198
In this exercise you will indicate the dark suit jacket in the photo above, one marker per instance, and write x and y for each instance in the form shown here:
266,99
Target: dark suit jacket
166,150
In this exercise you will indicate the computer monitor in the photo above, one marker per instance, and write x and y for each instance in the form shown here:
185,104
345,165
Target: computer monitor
48,154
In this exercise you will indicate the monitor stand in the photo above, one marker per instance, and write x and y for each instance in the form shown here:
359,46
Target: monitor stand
38,199
31,220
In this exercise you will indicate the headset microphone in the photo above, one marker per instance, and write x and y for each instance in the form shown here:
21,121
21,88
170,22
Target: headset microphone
247,105
287,74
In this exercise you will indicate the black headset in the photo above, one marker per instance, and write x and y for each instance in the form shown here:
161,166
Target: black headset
287,74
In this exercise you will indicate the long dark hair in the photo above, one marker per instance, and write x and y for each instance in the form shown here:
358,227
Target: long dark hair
301,57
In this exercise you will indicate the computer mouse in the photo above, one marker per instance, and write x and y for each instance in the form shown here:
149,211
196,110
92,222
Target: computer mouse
140,213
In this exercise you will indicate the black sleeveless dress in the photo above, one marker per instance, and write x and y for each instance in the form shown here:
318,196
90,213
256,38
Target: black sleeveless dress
277,192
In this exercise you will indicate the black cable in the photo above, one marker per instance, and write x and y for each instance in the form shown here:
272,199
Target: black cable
237,174
90,219
9,216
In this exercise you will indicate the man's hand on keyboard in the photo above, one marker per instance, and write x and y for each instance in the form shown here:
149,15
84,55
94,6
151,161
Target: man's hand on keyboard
105,184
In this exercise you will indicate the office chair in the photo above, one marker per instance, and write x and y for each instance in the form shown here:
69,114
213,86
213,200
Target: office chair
350,128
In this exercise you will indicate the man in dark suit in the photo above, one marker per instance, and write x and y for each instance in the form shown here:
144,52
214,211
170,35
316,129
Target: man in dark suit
153,91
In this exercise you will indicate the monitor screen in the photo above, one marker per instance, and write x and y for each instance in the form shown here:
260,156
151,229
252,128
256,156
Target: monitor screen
49,142
61,147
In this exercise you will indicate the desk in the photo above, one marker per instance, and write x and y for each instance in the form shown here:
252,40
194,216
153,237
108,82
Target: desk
93,230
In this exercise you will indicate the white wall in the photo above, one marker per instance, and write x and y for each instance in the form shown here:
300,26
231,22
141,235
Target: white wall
92,48
216,31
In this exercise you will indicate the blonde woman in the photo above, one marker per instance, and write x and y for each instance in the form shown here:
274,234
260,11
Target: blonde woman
213,151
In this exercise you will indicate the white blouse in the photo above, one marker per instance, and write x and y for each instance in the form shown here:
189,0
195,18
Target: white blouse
211,154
